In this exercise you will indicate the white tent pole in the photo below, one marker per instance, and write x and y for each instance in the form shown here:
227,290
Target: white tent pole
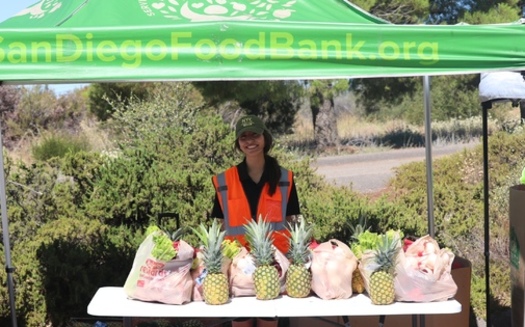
5,233
428,155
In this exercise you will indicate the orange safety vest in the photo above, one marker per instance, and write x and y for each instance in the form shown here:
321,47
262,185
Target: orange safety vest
236,208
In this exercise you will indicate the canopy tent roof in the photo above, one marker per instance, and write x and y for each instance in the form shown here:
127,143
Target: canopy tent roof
74,41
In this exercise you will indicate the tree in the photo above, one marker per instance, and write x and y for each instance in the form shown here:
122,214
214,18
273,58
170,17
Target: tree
374,93
276,102
322,94
448,11
9,97
401,11
396,11
501,13
102,96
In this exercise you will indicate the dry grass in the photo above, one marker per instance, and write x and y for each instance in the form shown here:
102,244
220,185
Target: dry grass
88,130
98,139
360,135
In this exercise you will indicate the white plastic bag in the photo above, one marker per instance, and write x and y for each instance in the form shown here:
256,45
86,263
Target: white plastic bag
333,264
423,273
155,280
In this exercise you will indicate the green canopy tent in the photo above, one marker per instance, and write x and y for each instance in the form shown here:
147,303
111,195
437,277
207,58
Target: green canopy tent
82,41
58,41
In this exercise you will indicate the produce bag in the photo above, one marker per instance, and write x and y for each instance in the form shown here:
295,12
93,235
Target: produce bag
333,264
423,273
243,267
156,278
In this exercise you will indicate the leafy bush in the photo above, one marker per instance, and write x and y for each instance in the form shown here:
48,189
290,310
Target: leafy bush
57,146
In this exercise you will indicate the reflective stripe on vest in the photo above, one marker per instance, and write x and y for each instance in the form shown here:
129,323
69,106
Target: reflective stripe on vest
222,189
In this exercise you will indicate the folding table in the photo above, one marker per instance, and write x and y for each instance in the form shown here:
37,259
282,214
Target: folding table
113,302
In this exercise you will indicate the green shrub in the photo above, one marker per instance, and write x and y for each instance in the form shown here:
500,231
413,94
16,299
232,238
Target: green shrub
57,146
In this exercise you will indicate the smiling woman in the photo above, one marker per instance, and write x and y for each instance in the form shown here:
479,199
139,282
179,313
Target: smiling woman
257,195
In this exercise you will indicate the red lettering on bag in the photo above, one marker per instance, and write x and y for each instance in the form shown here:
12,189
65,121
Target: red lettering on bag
154,264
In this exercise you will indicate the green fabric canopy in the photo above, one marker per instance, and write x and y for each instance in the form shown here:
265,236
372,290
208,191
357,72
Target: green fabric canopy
58,41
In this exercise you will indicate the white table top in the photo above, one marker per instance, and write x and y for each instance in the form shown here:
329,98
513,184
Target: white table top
113,302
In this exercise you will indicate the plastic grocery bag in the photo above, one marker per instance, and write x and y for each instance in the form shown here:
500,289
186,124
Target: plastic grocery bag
243,267
423,273
333,264
162,281
241,271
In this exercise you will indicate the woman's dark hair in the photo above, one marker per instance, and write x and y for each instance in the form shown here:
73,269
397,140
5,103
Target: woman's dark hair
274,173
273,165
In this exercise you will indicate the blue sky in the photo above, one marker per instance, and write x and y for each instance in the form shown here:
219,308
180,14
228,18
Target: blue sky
9,8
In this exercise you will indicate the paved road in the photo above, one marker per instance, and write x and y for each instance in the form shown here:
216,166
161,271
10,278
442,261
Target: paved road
370,172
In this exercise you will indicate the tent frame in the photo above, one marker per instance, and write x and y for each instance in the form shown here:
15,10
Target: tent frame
5,228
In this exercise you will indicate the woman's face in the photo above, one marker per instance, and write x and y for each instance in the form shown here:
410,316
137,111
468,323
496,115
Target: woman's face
251,143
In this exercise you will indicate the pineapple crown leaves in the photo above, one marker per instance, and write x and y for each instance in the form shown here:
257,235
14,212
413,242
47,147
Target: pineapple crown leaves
359,228
213,233
387,251
300,239
258,231
178,234
259,237
212,241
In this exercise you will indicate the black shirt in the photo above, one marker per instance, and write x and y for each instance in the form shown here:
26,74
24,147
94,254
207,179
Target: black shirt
253,190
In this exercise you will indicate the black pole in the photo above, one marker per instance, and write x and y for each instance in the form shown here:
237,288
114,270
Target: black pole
486,106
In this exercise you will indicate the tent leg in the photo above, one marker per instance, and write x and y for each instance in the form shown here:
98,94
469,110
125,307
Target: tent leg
5,234
485,107
428,154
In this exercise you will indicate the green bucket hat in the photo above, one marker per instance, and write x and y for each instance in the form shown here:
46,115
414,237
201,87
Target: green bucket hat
249,124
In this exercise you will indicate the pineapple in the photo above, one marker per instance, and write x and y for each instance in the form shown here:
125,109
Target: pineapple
215,286
381,286
358,283
265,276
298,276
